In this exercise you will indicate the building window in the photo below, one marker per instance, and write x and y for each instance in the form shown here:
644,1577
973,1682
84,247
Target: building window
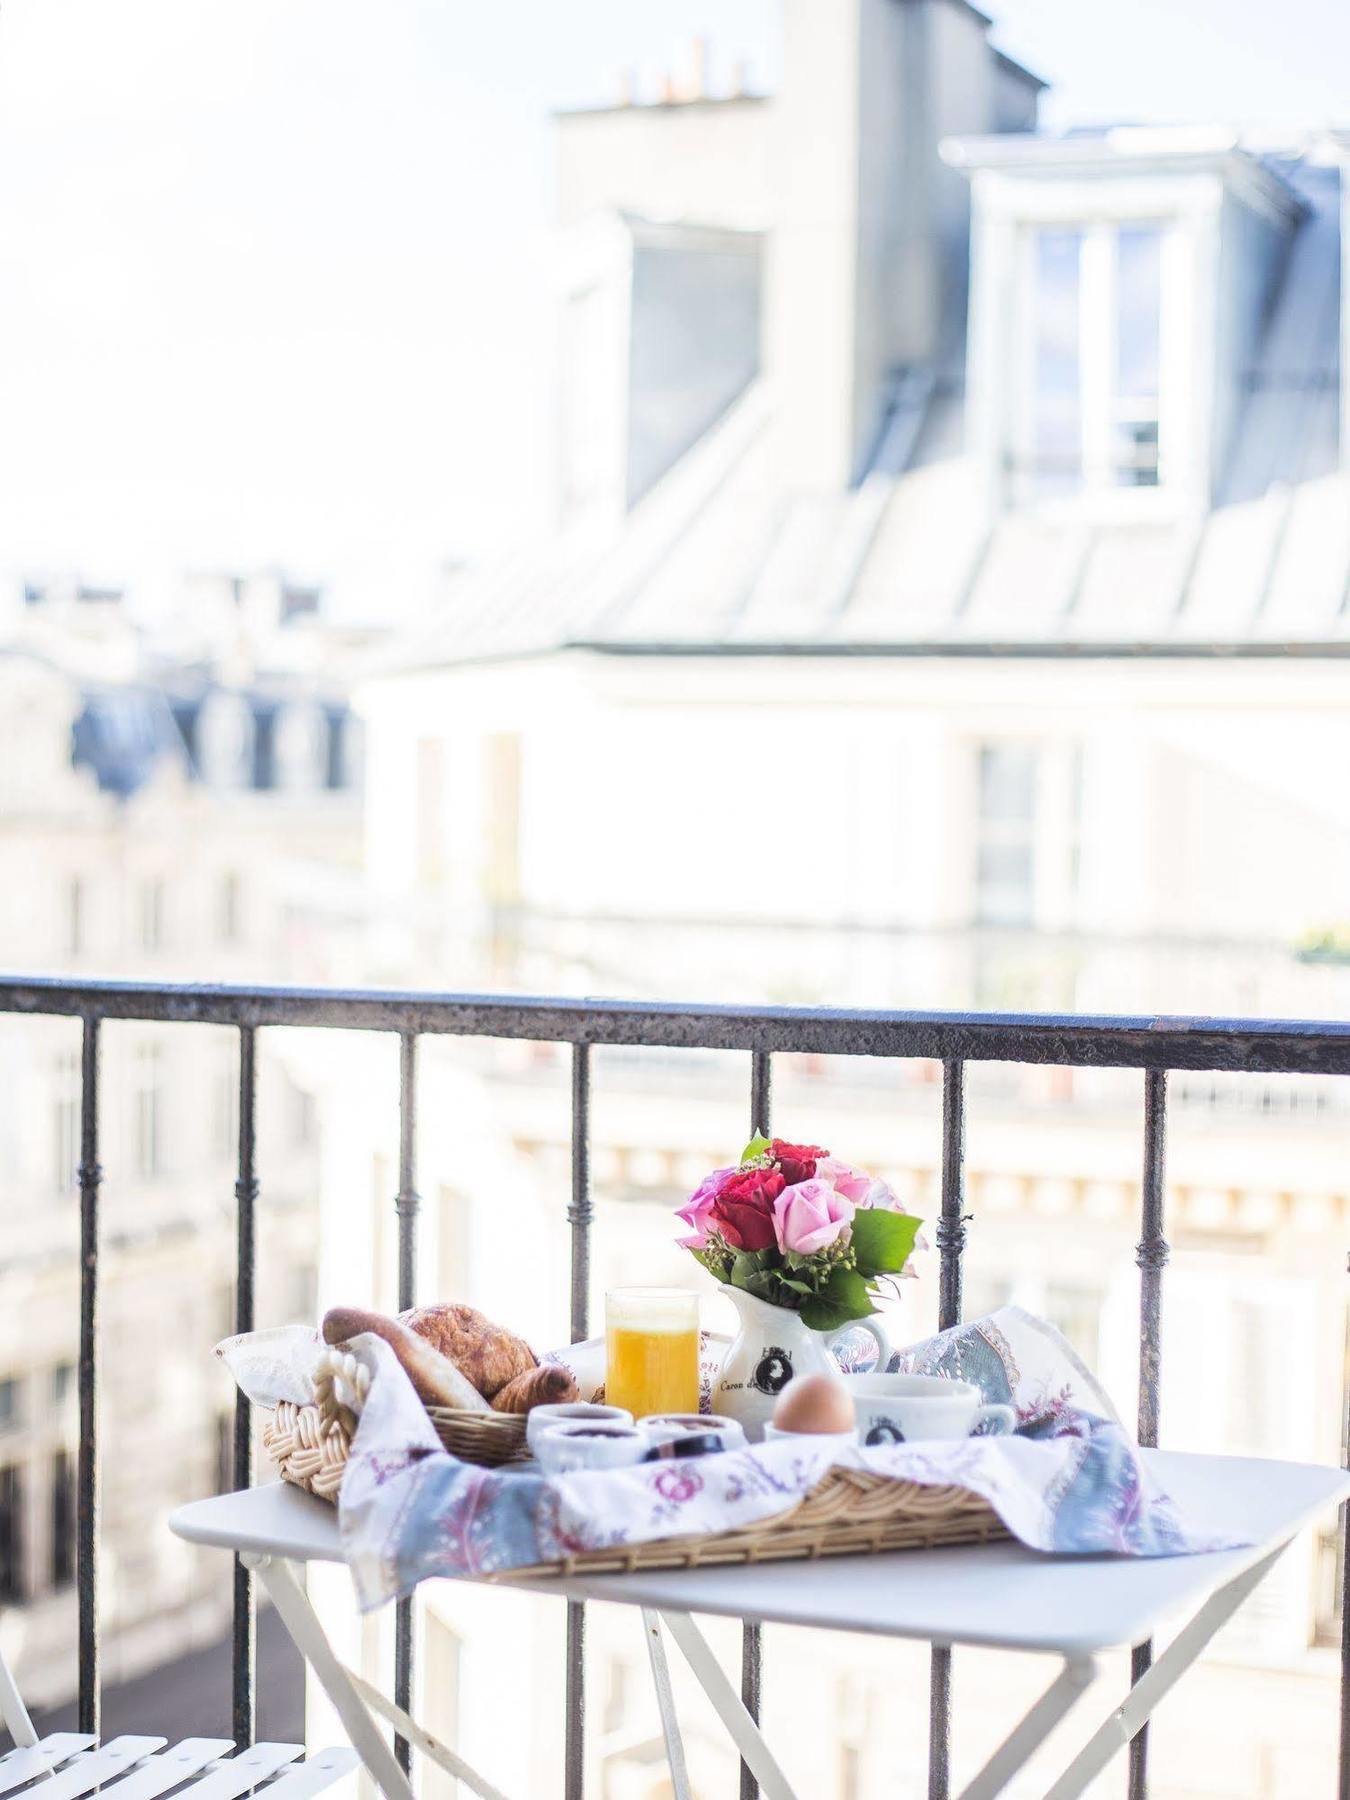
149,1111
441,1678
1090,413
225,1112
430,827
75,910
226,740
301,745
304,1295
66,1123
62,1564
150,915
11,1403
231,908
1076,1310
304,1117
13,1587
63,1383
224,1453
1005,851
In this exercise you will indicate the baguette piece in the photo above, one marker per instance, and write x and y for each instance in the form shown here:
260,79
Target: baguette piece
484,1352
548,1385
435,1379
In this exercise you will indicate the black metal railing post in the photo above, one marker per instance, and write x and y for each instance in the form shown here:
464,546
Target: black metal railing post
951,1243
245,1644
407,1204
579,1215
1151,1255
87,1493
752,1642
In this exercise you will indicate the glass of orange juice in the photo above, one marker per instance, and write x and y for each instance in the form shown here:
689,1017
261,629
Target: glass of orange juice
651,1350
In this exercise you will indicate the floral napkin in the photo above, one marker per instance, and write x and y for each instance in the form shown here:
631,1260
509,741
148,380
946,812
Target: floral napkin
1070,1480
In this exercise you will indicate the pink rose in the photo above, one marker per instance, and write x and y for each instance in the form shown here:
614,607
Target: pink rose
857,1185
810,1216
695,1212
852,1183
882,1195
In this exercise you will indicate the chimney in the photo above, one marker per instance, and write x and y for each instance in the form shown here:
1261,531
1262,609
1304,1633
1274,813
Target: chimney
870,251
697,82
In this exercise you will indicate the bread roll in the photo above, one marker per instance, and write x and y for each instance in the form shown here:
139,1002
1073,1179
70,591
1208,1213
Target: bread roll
548,1385
435,1378
480,1350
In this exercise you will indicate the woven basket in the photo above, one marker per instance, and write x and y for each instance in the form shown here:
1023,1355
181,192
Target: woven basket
847,1513
310,1444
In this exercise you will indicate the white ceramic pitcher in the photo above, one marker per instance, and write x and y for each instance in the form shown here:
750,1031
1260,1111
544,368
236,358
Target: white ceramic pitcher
771,1347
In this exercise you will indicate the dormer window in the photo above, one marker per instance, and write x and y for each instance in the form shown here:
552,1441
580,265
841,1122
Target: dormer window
1121,287
1091,335
1089,416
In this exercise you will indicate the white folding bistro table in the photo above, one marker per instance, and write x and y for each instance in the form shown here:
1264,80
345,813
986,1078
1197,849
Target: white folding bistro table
1001,1596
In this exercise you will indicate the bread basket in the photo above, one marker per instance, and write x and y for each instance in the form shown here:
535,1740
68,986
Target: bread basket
310,1444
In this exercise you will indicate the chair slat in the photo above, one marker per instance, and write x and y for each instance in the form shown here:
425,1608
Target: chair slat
19,1766
311,1777
157,1774
241,1773
88,1772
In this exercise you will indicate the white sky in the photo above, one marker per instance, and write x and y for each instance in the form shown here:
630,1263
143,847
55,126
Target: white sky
274,273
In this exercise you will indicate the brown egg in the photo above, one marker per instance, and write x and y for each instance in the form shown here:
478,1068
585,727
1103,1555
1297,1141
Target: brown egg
815,1403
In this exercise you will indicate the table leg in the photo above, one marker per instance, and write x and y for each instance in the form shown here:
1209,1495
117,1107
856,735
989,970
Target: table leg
417,1735
1022,1742
310,1639
665,1701
730,1708
1166,1671
13,1713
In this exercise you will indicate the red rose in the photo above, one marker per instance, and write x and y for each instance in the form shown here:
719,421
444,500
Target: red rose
743,1209
797,1161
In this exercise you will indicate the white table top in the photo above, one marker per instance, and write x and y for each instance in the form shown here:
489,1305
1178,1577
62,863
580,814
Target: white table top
1002,1595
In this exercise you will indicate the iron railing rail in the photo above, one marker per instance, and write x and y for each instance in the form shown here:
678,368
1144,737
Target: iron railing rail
1153,1045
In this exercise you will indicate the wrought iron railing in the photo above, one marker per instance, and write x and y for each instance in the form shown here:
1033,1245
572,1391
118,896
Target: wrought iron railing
1152,1045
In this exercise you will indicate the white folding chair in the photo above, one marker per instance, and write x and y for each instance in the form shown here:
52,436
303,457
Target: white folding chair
67,1765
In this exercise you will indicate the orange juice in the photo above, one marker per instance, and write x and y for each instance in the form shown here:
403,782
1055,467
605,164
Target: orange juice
651,1344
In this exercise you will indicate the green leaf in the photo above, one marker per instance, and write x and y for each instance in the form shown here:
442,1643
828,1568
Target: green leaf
759,1145
798,1287
883,1240
847,1289
748,1266
843,1299
823,1315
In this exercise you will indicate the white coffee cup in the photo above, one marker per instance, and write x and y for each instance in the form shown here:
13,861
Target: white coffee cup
561,1412
577,1444
907,1409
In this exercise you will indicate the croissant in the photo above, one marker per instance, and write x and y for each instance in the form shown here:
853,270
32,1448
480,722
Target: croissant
436,1380
548,1385
489,1356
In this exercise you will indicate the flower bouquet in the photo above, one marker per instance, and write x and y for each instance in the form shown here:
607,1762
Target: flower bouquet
802,1230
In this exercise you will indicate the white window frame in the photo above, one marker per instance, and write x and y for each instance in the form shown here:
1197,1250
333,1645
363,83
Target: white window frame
1098,297
1009,210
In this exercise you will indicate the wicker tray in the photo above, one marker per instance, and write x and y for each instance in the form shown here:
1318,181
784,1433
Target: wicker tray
849,1513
